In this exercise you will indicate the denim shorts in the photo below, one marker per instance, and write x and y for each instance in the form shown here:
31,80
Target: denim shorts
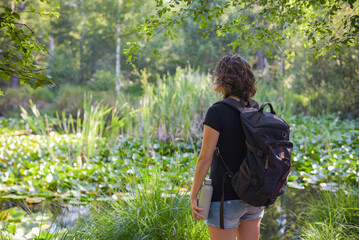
235,211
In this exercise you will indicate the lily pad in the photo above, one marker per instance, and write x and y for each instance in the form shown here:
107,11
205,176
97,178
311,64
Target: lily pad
35,200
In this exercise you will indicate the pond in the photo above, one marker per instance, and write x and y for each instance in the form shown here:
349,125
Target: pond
47,181
279,221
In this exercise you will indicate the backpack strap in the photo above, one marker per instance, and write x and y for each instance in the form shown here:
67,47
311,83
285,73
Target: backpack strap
238,106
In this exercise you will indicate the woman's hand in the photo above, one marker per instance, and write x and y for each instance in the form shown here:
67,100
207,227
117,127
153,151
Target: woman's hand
196,209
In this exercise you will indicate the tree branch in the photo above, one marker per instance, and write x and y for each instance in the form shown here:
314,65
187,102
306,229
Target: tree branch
37,38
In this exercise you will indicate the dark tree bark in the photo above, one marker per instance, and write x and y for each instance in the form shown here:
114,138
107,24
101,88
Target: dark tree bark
260,60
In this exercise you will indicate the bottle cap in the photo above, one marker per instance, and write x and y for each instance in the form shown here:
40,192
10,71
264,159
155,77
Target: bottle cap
207,181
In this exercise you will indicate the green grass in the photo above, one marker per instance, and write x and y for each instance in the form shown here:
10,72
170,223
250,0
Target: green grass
151,209
331,216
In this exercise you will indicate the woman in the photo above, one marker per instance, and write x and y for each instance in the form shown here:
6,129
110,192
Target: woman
233,78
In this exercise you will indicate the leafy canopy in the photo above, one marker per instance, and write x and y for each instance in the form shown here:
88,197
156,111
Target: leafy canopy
21,42
323,25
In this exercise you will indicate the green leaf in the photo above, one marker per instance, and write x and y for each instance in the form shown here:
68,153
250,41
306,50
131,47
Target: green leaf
56,5
203,23
16,15
351,3
5,76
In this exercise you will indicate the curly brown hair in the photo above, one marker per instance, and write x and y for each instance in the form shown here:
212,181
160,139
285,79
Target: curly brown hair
233,76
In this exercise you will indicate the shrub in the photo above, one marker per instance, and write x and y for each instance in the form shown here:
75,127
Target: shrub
70,99
103,80
43,94
65,67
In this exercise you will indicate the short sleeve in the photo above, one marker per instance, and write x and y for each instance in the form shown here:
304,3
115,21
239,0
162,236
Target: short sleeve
212,119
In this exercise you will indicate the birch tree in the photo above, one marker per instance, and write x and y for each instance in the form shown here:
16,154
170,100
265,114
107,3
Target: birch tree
118,50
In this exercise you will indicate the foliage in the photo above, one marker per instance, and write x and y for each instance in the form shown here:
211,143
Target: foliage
329,83
325,150
103,81
19,224
14,97
17,56
149,211
65,67
87,157
84,40
54,162
50,164
331,215
324,25
172,108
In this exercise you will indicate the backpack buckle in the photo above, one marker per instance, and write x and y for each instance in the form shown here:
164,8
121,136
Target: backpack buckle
254,181
284,133
218,152
260,153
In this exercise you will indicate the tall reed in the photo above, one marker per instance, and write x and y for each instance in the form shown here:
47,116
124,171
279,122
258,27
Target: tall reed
170,110
173,108
39,124
95,125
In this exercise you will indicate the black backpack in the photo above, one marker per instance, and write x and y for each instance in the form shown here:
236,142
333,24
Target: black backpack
263,175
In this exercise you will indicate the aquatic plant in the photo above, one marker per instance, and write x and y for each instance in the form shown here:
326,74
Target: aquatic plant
151,209
331,215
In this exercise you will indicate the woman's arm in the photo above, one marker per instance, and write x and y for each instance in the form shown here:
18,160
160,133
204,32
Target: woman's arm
209,142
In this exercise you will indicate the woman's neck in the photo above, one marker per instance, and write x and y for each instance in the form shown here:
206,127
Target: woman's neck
235,98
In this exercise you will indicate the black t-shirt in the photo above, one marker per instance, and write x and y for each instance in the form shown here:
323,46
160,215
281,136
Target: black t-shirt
231,142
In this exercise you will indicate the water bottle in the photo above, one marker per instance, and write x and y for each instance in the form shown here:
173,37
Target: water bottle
205,197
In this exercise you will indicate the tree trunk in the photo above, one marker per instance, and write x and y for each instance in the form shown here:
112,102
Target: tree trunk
14,80
259,54
82,58
82,53
266,78
21,6
282,65
118,51
52,50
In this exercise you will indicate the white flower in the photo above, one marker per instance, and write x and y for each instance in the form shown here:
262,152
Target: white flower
49,178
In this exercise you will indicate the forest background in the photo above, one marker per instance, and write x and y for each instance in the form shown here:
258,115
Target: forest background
84,40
